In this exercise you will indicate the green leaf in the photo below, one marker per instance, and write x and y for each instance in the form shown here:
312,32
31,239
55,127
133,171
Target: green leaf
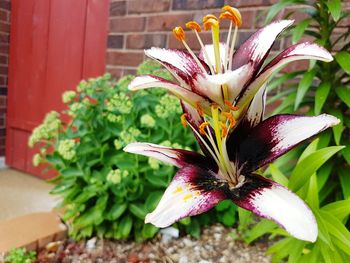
312,147
312,194
299,29
334,7
260,229
338,230
138,210
343,59
149,230
323,233
344,177
152,200
277,175
339,128
346,153
307,167
229,218
223,205
321,96
273,11
323,174
194,229
343,93
125,226
304,86
116,211
340,209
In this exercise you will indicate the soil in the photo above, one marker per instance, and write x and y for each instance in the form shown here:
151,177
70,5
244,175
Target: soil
215,245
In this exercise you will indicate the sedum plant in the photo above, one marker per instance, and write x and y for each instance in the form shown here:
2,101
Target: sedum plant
20,255
222,93
105,191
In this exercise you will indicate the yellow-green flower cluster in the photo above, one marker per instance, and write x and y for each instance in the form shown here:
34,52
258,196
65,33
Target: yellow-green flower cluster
129,135
37,159
113,118
68,96
168,105
154,163
115,176
120,102
147,121
74,107
47,130
82,86
66,148
118,144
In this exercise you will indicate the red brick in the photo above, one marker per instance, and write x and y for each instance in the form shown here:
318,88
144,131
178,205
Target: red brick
3,59
5,4
138,41
117,8
127,24
191,40
124,58
2,81
115,41
197,4
4,15
296,66
3,70
115,72
167,22
3,101
4,27
4,38
4,48
129,72
147,6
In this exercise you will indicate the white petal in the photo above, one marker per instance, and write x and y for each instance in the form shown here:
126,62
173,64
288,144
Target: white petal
148,81
256,108
183,198
211,85
211,55
288,210
168,155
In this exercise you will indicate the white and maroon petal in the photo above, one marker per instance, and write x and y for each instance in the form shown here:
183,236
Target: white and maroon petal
276,135
211,55
273,201
191,192
293,53
256,48
211,85
169,155
148,81
255,112
179,63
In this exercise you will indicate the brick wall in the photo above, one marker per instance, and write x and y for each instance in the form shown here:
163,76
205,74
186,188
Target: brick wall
139,24
5,6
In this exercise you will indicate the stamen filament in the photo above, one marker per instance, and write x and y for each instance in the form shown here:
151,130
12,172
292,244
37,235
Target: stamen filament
205,52
233,42
227,46
216,44
215,116
194,56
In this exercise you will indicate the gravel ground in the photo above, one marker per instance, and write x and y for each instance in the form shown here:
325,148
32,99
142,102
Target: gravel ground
215,245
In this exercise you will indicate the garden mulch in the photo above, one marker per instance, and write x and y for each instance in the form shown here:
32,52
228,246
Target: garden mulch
215,245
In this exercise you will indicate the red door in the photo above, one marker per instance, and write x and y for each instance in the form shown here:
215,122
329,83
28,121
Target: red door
53,45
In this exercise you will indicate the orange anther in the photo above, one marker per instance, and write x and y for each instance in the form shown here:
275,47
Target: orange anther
179,33
183,119
199,108
210,21
230,118
224,130
233,14
202,127
229,104
194,26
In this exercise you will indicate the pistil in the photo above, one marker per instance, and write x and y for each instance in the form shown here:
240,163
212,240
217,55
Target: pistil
210,21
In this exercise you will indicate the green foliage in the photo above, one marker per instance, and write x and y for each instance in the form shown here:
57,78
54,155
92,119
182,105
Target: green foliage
20,255
333,243
105,191
323,87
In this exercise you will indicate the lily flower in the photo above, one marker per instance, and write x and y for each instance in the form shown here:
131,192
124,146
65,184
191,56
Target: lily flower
222,92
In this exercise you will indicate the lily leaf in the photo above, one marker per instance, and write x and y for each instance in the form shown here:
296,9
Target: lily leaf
344,94
307,167
334,7
321,96
304,86
343,59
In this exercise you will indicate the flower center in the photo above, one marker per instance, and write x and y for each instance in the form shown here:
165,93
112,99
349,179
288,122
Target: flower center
218,120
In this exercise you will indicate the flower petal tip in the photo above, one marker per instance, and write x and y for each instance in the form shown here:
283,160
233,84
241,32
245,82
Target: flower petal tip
331,120
131,147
